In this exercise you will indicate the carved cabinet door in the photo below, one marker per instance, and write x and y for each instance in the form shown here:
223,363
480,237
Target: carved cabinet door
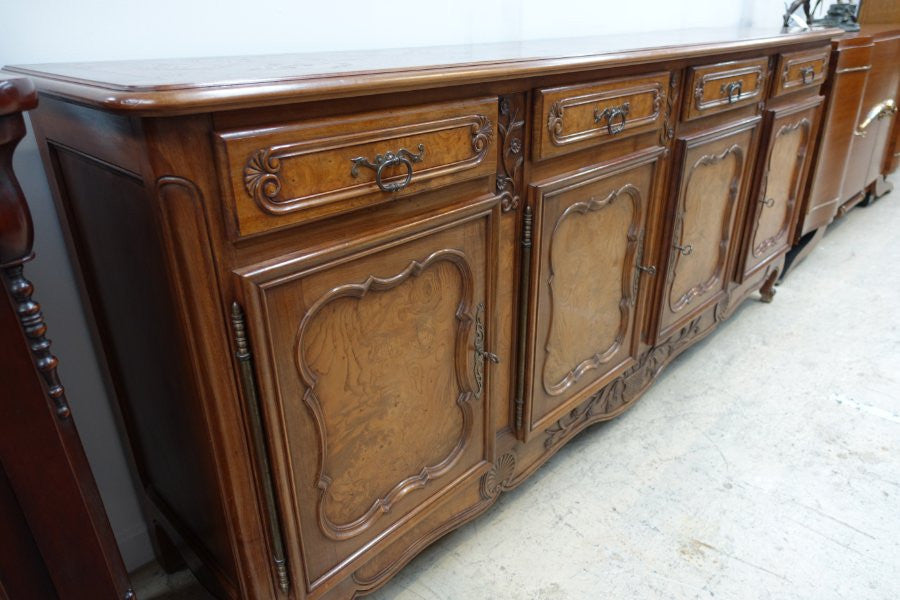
588,242
710,178
372,360
773,208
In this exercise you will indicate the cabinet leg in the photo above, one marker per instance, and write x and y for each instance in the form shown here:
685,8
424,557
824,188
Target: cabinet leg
767,291
166,550
881,187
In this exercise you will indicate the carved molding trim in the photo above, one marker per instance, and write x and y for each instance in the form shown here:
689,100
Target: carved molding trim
625,388
31,318
555,114
511,126
721,310
499,477
628,276
668,131
264,168
703,287
767,244
384,504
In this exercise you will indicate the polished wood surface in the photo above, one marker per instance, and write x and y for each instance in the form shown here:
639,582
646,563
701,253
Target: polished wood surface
201,84
374,295
56,540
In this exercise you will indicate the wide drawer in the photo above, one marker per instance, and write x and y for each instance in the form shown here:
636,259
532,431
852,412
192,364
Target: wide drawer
578,116
308,170
724,86
801,69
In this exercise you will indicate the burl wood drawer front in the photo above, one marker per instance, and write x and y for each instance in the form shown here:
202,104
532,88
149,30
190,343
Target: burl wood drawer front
588,248
724,86
578,116
797,70
372,374
772,212
710,180
308,170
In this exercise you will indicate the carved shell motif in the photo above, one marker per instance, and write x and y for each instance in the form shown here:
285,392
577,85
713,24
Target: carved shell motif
482,134
261,175
498,478
555,119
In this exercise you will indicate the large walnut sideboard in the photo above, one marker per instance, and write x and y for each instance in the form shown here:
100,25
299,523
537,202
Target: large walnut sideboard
348,299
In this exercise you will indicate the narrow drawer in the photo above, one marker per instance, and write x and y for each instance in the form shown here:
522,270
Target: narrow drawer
309,170
801,69
724,86
578,116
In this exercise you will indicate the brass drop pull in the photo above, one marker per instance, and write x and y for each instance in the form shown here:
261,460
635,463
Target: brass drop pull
389,159
807,72
616,117
769,202
732,91
684,250
649,270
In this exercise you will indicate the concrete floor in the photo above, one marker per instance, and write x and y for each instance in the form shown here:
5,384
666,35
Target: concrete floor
764,463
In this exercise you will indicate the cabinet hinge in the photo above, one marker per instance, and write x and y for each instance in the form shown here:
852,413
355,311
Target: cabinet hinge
527,222
248,383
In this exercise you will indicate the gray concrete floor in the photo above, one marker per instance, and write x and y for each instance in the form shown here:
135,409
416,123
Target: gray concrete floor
764,463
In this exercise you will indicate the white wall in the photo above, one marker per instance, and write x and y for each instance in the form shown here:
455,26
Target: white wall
65,30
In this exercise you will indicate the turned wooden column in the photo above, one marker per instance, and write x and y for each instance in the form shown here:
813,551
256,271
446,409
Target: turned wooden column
57,542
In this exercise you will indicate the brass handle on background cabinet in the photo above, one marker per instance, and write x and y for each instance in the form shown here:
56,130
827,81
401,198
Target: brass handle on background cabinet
389,159
616,117
769,202
879,111
807,72
733,91
684,250
649,269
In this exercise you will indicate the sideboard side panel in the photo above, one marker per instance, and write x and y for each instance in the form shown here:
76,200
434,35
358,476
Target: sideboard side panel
112,225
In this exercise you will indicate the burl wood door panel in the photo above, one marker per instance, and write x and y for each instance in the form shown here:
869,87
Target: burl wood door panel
773,210
710,177
588,245
372,376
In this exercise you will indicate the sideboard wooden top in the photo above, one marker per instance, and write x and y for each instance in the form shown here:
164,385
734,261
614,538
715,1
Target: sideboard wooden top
180,86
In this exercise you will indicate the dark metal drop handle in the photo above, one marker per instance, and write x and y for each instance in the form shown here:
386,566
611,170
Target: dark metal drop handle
616,117
807,72
684,250
733,91
769,202
389,159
